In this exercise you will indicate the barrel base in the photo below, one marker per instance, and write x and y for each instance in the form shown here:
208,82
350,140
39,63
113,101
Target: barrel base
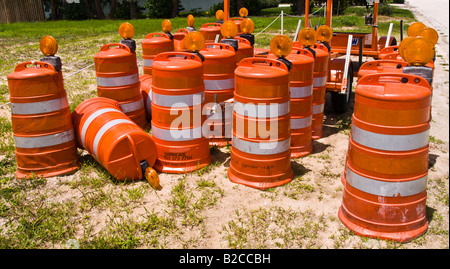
236,177
403,237
60,170
172,167
297,152
317,135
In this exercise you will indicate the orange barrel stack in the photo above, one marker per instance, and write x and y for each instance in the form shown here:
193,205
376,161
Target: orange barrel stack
146,91
387,160
209,31
260,152
40,115
117,143
381,66
218,73
153,44
321,64
118,79
245,49
177,120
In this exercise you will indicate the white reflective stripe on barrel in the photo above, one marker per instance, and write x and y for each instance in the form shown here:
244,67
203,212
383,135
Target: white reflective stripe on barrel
92,117
299,123
133,106
385,188
178,100
104,129
389,142
176,134
263,147
300,92
317,109
148,63
220,84
39,107
117,81
262,111
320,81
31,142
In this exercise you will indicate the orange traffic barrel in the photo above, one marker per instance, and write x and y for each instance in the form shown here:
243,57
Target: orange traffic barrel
321,64
260,151
117,143
178,40
381,66
245,49
301,91
153,44
237,21
40,115
118,79
218,73
146,91
178,97
388,50
387,160
210,30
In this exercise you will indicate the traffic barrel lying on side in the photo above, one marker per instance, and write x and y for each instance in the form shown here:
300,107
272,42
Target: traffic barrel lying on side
40,116
153,44
387,160
178,96
118,79
117,143
218,70
260,152
381,66
321,64
146,91
209,31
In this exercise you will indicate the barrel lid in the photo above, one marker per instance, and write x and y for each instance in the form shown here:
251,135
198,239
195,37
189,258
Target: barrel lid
156,38
260,68
29,70
217,51
393,87
176,61
113,51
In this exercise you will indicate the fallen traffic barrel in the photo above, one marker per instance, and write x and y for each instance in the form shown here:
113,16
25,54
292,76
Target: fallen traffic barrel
218,70
118,79
177,119
146,91
209,31
153,44
387,160
117,143
40,116
260,151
